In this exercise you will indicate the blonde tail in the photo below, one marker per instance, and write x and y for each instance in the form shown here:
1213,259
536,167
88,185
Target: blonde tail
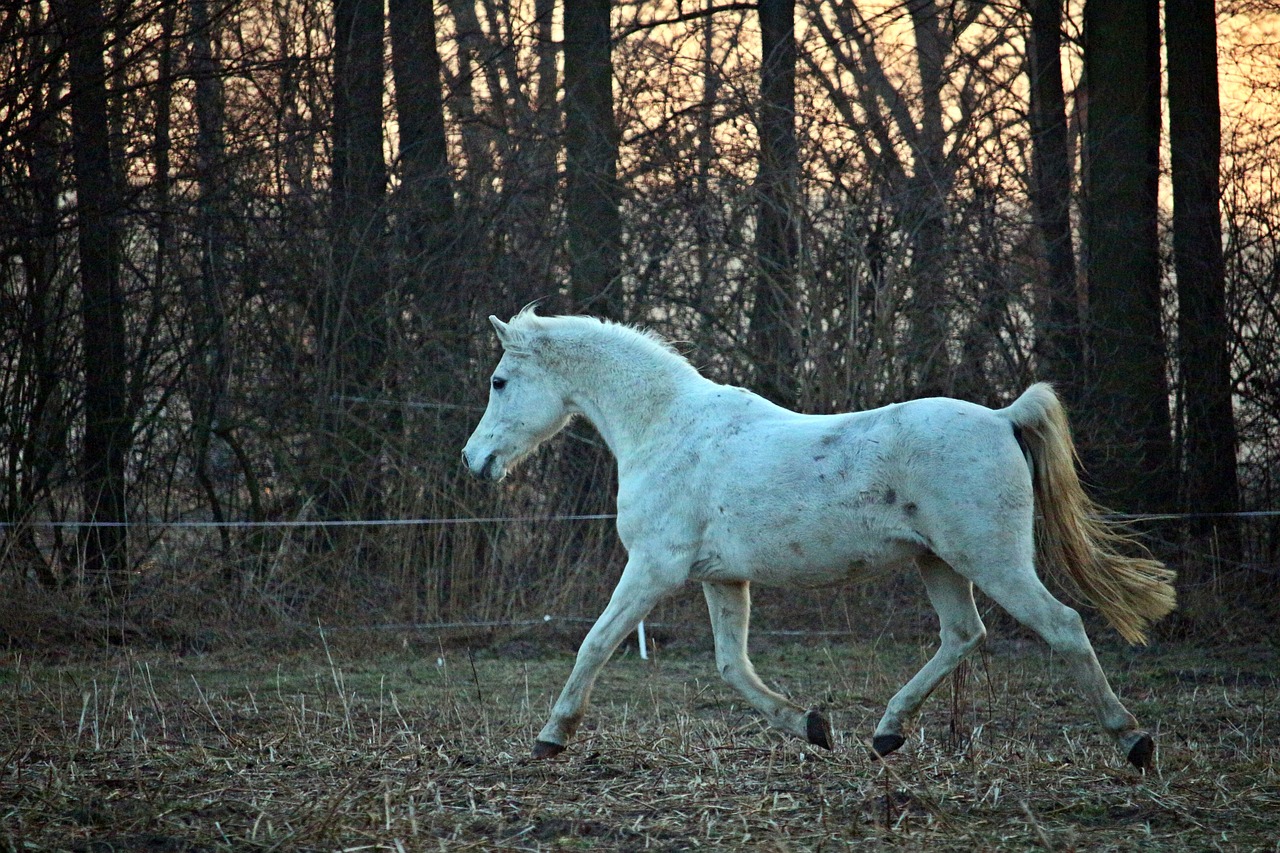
1071,533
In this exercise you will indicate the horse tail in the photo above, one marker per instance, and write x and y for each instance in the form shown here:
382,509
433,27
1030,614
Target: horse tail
1071,532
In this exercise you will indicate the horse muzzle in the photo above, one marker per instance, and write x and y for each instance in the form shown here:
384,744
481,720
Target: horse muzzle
485,466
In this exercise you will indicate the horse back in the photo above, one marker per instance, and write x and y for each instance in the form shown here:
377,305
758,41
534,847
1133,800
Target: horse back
760,493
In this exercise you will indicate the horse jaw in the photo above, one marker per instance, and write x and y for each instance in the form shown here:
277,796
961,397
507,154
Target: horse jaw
490,460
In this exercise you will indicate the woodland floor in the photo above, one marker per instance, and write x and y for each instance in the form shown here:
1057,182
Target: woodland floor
351,746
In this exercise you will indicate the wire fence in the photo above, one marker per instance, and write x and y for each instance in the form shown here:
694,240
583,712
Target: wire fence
515,519
549,621
318,522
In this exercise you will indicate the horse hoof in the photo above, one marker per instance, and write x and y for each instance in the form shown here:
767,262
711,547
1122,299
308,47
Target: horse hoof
546,749
1142,751
882,745
818,730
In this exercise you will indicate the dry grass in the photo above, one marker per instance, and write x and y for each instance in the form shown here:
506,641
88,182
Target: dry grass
424,748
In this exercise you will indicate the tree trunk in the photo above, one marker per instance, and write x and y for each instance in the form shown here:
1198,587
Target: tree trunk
704,216
1130,448
1195,127
774,313
477,176
531,174
591,160
38,393
107,429
928,190
1058,346
211,345
353,323
427,183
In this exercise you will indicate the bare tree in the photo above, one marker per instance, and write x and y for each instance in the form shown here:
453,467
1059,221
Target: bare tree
868,210
922,133
926,193
591,160
352,318
107,423
37,344
1058,338
1129,447
1195,136
775,309
424,157
207,295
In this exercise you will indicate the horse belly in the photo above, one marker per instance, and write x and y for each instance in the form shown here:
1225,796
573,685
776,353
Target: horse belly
813,560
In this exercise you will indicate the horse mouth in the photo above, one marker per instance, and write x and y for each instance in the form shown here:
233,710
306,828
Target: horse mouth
489,469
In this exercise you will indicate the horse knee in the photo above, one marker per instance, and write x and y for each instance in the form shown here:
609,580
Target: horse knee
595,651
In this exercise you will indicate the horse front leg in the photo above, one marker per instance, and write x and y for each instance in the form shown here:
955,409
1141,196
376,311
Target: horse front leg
638,590
730,607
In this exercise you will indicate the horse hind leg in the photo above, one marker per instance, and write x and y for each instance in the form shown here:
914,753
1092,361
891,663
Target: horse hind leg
1022,594
961,631
729,605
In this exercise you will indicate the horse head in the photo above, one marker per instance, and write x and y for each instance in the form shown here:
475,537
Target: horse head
528,402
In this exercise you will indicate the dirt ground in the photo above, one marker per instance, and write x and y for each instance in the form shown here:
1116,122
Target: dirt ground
357,746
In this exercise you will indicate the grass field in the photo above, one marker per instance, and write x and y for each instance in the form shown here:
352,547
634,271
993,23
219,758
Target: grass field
355,746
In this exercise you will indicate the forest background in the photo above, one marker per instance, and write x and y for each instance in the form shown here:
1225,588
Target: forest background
247,248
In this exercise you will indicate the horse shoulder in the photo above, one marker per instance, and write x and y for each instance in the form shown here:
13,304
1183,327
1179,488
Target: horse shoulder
656,505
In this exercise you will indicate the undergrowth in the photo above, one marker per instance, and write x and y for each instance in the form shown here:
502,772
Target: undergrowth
405,744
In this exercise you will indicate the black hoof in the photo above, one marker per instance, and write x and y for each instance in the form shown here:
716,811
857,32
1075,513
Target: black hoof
818,730
546,749
1141,753
882,745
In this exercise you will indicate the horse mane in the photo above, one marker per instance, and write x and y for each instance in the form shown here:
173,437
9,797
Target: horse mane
527,324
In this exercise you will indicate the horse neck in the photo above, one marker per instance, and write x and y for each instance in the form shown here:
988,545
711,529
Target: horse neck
627,394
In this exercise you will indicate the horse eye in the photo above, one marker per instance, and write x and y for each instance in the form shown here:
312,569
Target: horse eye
499,383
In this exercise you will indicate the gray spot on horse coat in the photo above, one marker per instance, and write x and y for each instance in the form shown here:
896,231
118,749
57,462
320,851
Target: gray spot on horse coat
890,497
909,508
706,567
796,548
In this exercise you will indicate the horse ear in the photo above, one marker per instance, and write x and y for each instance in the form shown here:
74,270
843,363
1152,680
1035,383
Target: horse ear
503,330
514,339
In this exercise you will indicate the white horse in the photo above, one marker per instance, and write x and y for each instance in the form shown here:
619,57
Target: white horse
720,486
